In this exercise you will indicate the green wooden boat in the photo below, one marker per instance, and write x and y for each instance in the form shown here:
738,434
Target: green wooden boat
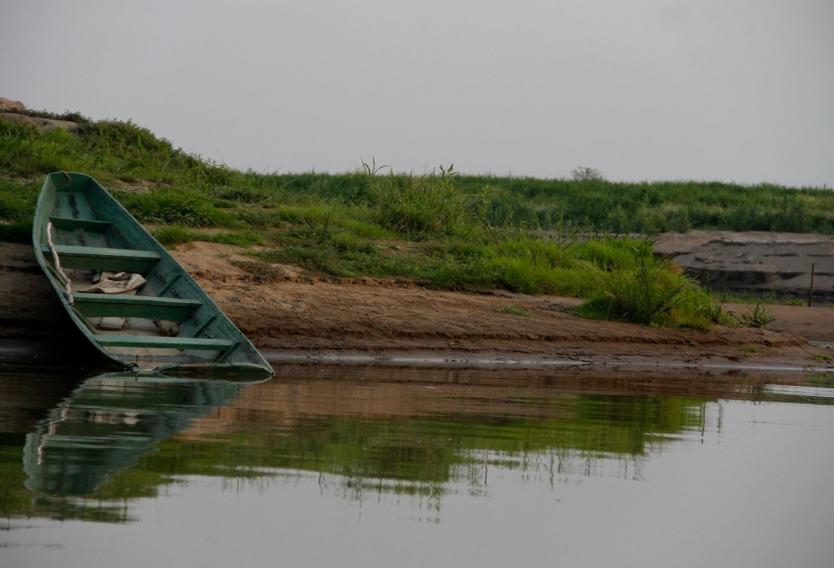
168,324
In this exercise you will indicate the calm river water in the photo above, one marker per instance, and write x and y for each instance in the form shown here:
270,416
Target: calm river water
374,466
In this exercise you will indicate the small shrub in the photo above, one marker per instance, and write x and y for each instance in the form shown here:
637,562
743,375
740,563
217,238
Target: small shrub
647,294
701,304
757,316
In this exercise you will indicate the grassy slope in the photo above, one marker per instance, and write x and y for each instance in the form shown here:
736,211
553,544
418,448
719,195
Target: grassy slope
444,231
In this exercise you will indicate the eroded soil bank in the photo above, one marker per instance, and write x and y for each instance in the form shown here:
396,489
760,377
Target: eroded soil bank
284,313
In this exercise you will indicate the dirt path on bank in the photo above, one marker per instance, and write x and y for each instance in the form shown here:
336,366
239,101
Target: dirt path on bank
282,312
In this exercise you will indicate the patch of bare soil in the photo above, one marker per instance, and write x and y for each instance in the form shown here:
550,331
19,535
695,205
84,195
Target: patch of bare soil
812,323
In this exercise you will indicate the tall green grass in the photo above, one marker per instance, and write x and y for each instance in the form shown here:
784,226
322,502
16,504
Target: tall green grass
441,230
120,153
420,207
648,293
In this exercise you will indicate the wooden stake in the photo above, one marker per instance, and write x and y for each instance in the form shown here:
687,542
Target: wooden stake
811,287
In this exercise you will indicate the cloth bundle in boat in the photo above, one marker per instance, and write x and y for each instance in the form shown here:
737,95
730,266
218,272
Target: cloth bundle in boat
116,283
126,283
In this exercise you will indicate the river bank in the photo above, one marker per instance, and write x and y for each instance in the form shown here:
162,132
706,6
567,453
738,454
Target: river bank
297,318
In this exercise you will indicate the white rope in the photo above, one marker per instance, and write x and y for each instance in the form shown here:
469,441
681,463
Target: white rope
67,282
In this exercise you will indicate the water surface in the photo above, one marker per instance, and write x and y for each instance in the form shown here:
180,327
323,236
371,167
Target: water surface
375,466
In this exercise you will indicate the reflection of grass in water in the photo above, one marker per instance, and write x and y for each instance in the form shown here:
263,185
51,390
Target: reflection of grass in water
420,458
14,499
825,380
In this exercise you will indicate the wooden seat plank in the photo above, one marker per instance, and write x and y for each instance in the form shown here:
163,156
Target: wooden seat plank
99,258
160,342
131,306
71,224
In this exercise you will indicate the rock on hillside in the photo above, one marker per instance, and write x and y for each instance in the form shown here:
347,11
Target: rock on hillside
15,111
8,105
39,122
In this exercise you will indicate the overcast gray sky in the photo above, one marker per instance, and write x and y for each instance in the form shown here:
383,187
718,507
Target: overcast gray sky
734,90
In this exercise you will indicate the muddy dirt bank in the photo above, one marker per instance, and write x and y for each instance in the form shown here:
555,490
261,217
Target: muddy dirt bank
283,313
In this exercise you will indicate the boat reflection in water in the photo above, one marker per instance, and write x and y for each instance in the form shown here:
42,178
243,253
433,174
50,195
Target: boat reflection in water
108,423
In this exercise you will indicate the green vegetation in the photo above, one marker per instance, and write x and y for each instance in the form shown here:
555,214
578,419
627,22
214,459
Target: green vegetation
824,380
757,316
652,292
440,230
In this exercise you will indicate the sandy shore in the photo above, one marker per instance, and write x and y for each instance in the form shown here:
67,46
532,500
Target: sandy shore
295,319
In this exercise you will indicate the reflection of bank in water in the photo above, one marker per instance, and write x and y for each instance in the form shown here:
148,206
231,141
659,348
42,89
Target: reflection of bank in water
375,431
371,431
108,423
362,433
